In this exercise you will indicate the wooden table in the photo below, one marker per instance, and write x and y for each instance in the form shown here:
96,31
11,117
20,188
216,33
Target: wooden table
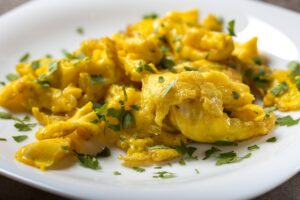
10,189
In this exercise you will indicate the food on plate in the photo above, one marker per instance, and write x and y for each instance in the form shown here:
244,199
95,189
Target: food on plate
149,90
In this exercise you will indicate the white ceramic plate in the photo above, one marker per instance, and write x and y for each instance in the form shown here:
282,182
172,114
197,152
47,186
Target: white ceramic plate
42,27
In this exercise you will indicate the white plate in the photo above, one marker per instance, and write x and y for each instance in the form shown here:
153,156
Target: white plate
42,27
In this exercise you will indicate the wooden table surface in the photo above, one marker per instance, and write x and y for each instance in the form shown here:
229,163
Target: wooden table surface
10,189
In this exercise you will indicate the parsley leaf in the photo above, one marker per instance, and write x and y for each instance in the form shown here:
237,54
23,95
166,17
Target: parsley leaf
197,171
53,66
104,153
257,60
236,95
151,15
80,30
286,121
253,147
3,139
96,79
25,57
88,161
189,69
166,63
181,162
139,169
210,152
20,138
270,109
135,107
294,66
230,157
114,127
128,120
35,64
117,173
12,77
231,27
164,175
24,127
280,89
161,79
272,139
143,66
183,149
225,143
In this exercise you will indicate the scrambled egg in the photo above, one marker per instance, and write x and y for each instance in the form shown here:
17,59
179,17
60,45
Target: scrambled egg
161,83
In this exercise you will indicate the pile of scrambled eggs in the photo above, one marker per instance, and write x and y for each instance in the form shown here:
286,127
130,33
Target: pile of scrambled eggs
161,83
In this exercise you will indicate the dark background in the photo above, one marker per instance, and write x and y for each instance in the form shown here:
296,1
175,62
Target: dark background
10,189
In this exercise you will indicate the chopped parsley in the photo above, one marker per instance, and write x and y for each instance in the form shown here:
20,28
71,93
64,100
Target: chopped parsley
80,30
189,69
35,64
2,83
230,157
270,109
117,173
12,77
53,66
41,80
164,175
166,63
114,127
253,147
197,171
20,125
297,82
260,78
25,57
257,60
168,88
3,139
20,138
128,120
225,143
272,139
161,79
97,79
24,127
181,162
280,89
104,153
231,27
151,15
158,167
139,169
286,121
143,66
183,149
210,152
294,66
88,161
135,107
236,95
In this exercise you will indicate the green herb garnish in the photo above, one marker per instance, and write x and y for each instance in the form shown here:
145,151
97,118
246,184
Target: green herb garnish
280,89
230,157
236,95
161,79
25,57
181,162
3,139
189,69
166,63
24,127
231,27
135,107
80,30
197,171
210,152
253,147
164,175
286,121
20,125
35,64
139,169
88,161
20,138
128,120
104,153
257,60
117,173
270,109
53,66
225,143
272,139
294,66
12,77
183,149
97,79
151,15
